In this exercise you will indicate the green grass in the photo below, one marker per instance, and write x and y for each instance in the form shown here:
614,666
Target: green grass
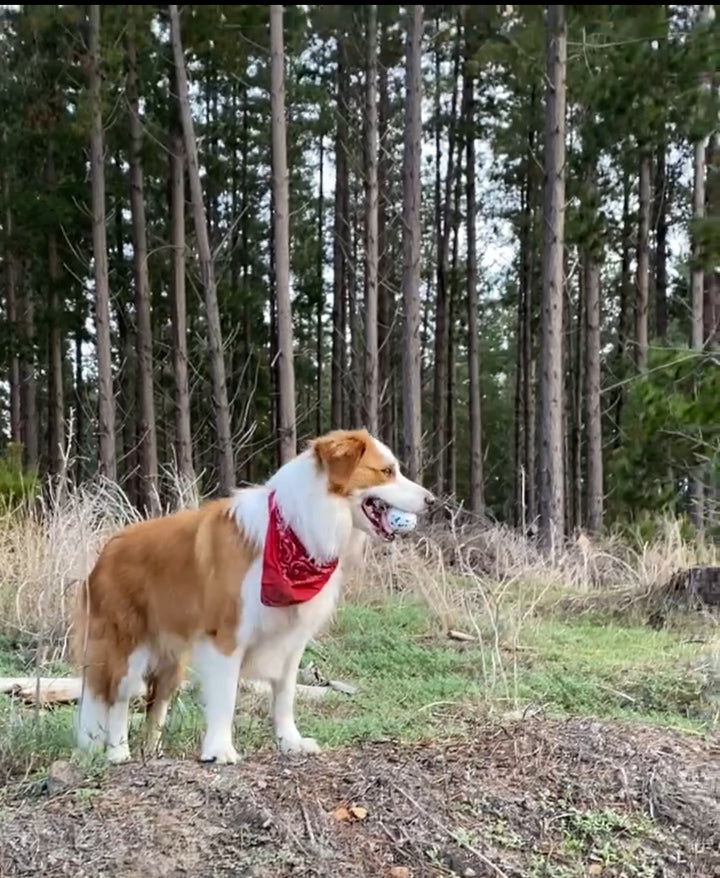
413,683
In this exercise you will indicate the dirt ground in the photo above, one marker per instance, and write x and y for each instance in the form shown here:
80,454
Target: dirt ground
529,799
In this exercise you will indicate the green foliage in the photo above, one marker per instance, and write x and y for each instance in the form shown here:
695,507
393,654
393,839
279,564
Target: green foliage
670,426
17,485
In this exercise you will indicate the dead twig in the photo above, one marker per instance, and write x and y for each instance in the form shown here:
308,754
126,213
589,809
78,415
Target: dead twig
454,836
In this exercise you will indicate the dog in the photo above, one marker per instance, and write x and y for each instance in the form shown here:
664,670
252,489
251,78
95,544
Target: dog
238,587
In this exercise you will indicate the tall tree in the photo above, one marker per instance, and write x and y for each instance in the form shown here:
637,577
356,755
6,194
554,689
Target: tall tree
340,241
552,511
178,305
477,501
106,399
443,196
371,227
226,465
642,279
281,219
147,437
11,313
56,390
593,419
412,413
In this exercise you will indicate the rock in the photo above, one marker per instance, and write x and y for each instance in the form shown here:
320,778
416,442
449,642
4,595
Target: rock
62,776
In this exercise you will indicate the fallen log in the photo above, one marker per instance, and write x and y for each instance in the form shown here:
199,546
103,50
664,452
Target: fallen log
48,691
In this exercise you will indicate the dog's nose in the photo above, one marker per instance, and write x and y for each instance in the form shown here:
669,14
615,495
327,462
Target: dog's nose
430,500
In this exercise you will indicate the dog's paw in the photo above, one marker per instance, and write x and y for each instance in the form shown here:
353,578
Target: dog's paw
118,753
307,746
225,754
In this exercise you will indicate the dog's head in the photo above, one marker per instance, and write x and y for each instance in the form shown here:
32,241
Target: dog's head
367,474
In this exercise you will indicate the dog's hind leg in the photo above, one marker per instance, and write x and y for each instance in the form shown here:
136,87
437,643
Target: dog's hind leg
130,685
161,687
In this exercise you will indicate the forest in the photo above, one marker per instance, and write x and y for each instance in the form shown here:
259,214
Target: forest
487,233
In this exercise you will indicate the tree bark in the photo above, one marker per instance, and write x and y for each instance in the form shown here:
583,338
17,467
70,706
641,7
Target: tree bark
28,384
552,501
321,291
178,319
453,302
226,464
593,416
337,393
477,499
56,395
442,327
286,369
106,399
371,229
661,230
11,312
642,280
697,274
385,293
147,436
412,402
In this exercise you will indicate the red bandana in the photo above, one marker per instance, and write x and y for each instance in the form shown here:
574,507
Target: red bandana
289,576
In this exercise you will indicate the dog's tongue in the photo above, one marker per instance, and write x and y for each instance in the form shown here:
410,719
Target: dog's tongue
385,525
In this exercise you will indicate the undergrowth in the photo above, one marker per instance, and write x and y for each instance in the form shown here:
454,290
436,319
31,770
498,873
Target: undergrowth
565,635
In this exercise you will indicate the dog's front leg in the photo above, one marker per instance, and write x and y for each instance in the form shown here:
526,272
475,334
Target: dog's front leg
218,682
283,708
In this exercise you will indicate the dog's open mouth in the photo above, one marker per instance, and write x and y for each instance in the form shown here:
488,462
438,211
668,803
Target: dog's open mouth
376,512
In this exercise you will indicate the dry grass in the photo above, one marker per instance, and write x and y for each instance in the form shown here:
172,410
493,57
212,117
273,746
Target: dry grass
487,580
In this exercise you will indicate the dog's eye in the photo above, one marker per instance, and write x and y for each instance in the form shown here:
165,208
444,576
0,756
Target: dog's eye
389,471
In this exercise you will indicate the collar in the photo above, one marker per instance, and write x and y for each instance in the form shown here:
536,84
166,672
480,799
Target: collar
289,575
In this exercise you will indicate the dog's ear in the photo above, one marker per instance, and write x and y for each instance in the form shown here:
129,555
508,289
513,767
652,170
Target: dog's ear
340,453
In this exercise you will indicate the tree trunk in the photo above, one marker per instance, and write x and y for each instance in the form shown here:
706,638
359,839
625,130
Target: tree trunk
178,318
661,230
371,229
580,358
593,415
453,302
340,244
477,500
412,414
106,399
642,280
442,326
147,436
28,385
355,396
321,292
711,311
697,274
385,293
11,313
226,465
286,369
552,512
56,396
79,395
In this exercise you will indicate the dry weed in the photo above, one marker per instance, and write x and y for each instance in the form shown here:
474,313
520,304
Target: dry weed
486,579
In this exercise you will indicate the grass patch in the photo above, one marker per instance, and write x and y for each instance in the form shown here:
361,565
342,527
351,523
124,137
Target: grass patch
414,683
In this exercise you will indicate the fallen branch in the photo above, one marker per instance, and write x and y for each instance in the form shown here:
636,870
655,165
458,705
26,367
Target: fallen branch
67,690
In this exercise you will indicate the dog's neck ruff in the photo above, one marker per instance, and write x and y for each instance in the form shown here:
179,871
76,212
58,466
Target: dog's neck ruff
289,575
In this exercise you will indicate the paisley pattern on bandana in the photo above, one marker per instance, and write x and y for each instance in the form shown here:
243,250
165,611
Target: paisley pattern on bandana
289,576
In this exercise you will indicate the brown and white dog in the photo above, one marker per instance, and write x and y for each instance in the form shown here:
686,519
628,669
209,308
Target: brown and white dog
239,586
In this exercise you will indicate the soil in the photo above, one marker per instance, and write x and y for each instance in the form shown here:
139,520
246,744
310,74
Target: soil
527,799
